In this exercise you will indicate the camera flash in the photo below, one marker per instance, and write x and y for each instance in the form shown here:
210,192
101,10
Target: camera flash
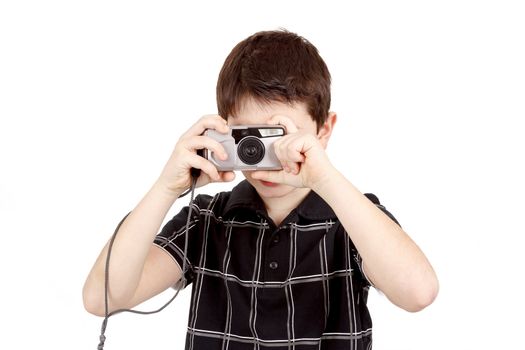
271,132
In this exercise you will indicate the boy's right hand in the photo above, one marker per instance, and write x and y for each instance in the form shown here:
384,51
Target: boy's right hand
175,177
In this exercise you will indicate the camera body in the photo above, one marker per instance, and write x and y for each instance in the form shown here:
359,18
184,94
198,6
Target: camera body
249,147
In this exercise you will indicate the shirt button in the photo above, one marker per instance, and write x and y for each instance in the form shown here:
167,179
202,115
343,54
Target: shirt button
276,239
274,265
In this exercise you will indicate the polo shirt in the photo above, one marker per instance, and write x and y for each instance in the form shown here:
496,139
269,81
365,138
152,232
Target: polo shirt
255,285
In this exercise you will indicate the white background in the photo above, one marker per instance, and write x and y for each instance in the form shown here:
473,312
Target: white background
94,94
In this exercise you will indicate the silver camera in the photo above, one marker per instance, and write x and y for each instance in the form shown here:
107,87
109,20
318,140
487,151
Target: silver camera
249,147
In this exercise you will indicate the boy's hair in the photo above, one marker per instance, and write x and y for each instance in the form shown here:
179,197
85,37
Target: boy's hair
275,66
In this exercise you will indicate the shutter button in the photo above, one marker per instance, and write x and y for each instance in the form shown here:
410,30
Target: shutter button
274,265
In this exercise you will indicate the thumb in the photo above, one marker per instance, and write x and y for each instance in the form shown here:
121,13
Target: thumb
276,176
227,176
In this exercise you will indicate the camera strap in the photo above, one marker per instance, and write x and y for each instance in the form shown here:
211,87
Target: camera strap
180,284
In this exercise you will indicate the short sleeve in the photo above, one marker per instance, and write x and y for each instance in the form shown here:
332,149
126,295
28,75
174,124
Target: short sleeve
357,257
172,238
373,198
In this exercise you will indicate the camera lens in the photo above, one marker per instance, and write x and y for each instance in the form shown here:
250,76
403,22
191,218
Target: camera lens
250,150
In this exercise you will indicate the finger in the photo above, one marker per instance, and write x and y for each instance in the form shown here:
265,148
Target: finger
280,148
288,149
215,122
284,166
288,153
276,176
201,142
285,121
294,167
294,154
277,150
227,176
205,166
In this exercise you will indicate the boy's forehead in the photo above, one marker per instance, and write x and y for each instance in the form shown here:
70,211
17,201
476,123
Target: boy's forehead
252,111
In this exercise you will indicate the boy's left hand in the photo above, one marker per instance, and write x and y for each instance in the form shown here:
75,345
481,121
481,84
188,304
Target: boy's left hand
302,155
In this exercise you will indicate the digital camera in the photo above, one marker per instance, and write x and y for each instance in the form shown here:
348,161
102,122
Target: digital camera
249,147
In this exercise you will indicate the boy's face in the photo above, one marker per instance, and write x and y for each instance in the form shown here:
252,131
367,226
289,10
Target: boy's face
253,112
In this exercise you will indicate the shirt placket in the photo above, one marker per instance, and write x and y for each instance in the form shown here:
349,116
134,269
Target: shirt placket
275,259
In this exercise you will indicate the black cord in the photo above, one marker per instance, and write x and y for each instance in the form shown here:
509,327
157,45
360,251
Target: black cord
181,283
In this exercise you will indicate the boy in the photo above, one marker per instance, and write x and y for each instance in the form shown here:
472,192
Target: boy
285,259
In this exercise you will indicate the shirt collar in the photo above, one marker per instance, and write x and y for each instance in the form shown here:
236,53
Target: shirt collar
245,196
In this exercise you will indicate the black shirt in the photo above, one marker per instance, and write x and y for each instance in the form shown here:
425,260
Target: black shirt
296,286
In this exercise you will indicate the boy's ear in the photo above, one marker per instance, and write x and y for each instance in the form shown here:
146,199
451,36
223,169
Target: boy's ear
325,131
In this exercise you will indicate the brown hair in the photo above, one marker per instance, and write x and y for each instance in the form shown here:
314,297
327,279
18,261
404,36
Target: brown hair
275,66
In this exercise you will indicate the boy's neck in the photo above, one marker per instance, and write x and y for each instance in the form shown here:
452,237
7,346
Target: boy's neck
278,208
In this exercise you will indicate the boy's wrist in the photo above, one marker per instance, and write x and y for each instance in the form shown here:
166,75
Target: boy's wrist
337,189
332,177
160,189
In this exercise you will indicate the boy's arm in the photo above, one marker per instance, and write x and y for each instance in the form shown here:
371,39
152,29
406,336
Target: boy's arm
391,260
138,269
